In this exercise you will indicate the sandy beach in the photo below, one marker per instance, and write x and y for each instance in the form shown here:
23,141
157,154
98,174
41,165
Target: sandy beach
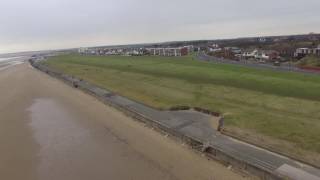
51,131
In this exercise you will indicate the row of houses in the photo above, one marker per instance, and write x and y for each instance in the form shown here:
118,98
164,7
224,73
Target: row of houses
167,51
302,52
111,51
237,53
180,51
273,55
216,48
268,55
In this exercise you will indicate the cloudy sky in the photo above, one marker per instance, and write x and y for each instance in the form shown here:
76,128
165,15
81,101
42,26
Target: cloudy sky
52,24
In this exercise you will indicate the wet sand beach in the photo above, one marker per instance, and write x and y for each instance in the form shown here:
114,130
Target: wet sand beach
50,131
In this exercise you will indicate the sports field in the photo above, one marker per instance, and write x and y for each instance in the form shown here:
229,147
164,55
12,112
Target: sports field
279,110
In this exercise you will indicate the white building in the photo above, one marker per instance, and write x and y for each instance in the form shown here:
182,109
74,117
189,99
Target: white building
179,51
214,48
190,48
262,54
235,50
300,52
83,50
250,54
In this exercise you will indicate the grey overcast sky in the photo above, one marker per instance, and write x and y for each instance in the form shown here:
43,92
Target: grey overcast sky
51,24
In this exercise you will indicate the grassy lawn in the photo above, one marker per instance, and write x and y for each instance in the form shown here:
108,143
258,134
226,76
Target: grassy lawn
310,61
275,109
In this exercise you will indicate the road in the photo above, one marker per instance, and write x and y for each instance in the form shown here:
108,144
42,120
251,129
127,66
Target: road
49,130
204,57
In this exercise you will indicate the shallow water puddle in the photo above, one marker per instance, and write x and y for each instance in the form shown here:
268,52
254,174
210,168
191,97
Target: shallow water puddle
73,146
57,134
53,126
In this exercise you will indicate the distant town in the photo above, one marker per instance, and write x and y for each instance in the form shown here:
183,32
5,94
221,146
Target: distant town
298,50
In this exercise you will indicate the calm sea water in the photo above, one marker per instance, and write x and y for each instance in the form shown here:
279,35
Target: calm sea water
8,62
10,58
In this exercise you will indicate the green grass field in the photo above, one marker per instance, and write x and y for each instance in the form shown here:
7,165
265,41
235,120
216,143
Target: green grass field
280,109
310,61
